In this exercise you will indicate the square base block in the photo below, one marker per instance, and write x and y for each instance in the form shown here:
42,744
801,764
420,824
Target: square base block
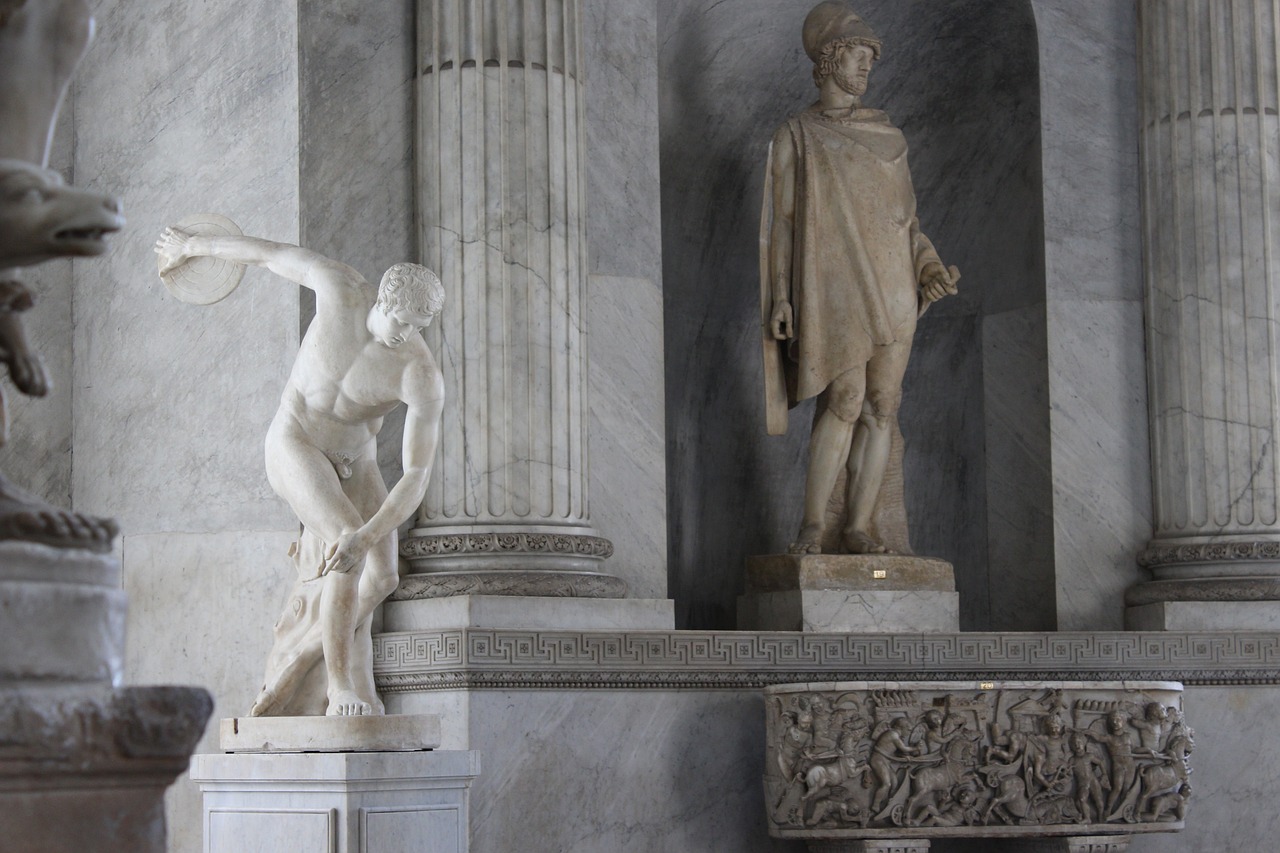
529,613
1204,616
849,593
370,802
390,733
850,611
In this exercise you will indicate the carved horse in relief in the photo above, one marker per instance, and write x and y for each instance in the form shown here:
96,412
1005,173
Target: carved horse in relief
1169,776
958,764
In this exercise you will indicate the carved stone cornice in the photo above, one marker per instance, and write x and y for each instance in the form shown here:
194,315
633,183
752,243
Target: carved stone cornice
1208,552
515,659
594,547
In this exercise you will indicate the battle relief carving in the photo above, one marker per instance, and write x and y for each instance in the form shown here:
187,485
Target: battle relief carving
850,760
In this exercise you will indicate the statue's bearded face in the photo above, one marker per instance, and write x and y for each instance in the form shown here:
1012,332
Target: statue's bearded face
853,69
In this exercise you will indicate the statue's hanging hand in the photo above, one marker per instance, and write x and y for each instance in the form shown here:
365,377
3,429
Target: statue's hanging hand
936,281
345,554
781,323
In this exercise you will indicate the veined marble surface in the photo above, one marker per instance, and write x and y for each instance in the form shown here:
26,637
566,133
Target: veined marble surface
171,404
1093,272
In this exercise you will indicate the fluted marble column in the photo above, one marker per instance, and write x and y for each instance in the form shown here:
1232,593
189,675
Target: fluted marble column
501,215
1211,195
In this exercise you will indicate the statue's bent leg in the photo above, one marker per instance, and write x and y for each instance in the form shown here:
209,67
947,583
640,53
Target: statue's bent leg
301,474
347,609
872,443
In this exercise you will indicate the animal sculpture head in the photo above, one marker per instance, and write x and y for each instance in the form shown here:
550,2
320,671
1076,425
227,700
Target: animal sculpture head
42,218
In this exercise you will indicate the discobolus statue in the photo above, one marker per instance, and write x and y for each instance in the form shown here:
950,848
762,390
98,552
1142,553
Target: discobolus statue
845,273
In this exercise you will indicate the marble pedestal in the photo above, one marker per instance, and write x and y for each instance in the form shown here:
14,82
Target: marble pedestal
336,802
881,593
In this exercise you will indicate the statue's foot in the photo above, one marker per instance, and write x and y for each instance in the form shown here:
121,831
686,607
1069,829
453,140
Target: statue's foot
345,703
27,518
808,542
858,542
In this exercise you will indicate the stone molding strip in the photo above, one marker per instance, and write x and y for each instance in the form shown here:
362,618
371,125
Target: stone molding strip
1204,589
516,659
1208,552
544,583
576,544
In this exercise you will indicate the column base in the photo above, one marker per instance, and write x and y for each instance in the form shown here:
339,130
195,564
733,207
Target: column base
368,802
1204,616
849,593
556,562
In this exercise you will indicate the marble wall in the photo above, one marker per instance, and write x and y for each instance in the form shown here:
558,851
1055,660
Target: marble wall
1093,272
960,78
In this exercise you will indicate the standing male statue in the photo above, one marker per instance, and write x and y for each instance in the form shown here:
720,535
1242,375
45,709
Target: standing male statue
360,358
845,273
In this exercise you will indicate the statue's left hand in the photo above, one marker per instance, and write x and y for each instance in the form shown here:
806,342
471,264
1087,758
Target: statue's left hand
345,554
936,281
173,248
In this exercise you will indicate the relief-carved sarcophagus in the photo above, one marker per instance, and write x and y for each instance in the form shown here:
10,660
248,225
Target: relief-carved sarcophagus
867,760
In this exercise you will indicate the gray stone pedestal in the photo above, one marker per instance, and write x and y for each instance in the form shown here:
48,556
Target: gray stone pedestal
880,593
336,802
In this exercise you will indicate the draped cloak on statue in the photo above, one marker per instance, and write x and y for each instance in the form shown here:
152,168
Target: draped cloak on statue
856,257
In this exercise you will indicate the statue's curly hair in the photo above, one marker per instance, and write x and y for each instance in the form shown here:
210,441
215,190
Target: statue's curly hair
411,286
830,56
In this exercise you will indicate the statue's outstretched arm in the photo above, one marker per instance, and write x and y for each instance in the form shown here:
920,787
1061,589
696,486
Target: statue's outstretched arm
176,247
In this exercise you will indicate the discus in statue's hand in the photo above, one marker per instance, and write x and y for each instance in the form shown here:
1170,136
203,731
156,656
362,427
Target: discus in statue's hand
204,280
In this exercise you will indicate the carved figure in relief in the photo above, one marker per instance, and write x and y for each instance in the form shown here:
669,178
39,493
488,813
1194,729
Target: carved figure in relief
845,272
960,808
1050,756
1124,771
796,738
360,358
889,748
1151,727
1089,776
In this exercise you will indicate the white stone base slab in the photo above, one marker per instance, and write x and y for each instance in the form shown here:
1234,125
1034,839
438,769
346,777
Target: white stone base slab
390,733
529,613
368,802
1204,616
850,611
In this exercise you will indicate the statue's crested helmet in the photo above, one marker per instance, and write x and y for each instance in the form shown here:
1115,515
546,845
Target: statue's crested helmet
836,21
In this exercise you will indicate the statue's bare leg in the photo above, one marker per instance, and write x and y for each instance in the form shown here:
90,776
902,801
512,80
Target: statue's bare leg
867,461
302,475
828,452
873,441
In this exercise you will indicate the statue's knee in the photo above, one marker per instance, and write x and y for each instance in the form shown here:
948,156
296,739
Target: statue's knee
384,583
884,405
845,405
